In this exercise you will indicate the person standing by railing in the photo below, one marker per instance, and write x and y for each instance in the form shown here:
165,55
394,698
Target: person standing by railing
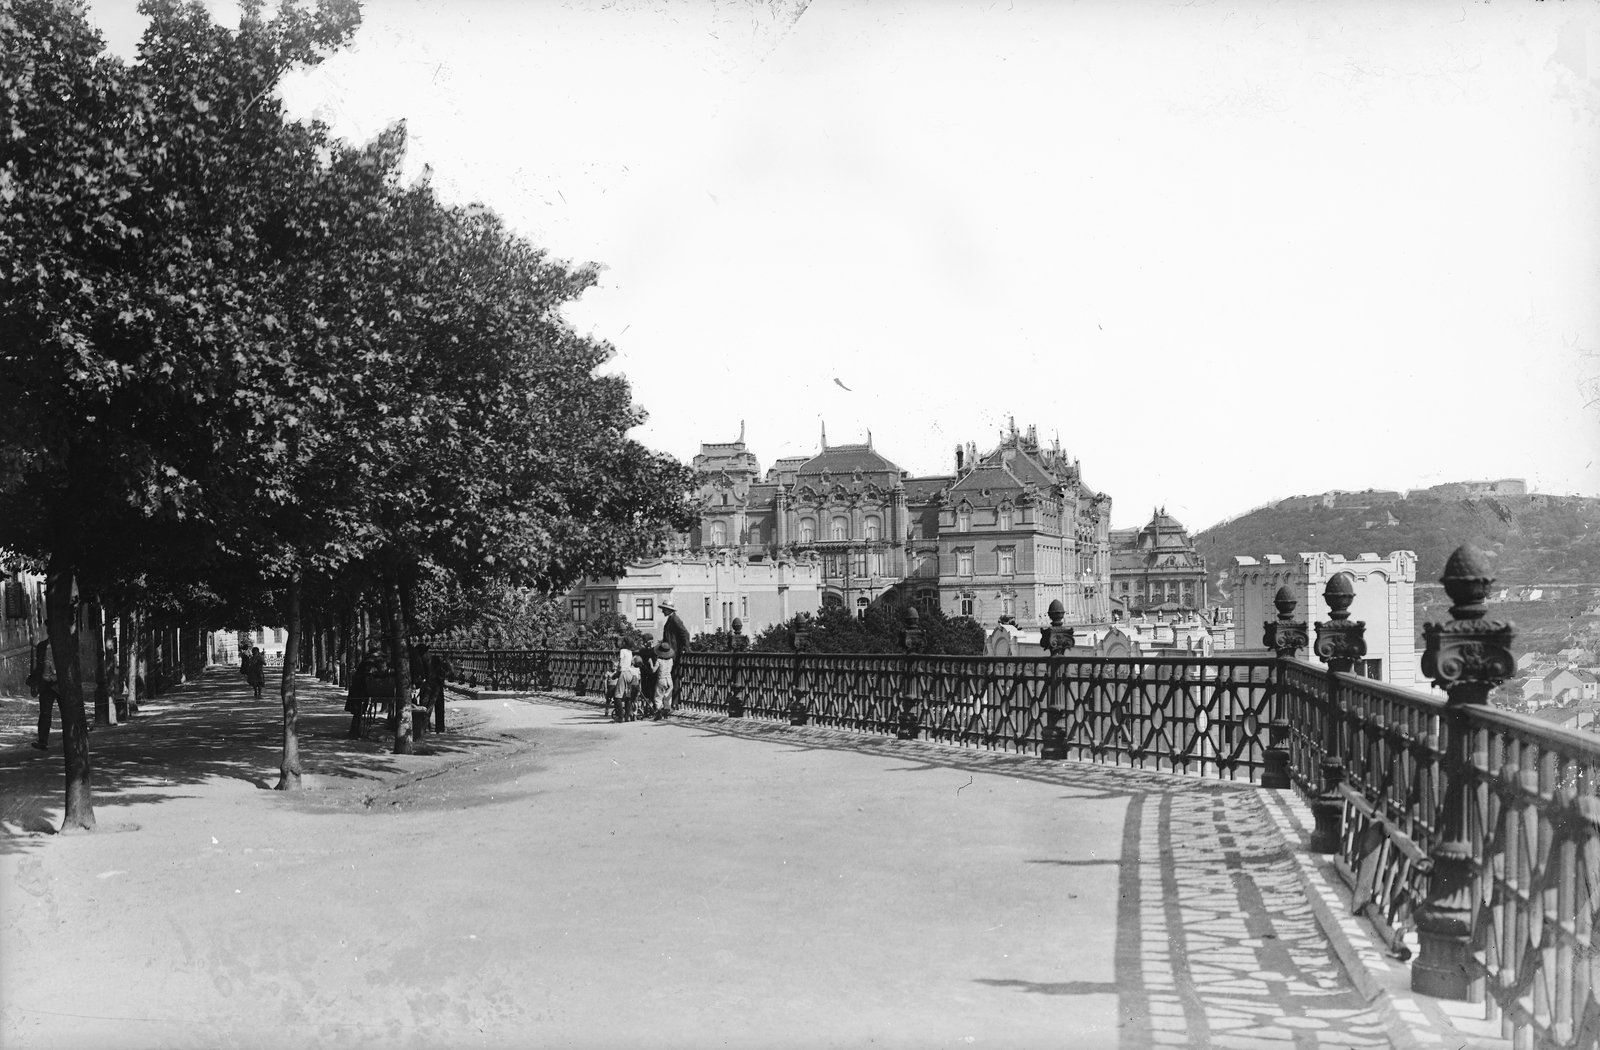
675,634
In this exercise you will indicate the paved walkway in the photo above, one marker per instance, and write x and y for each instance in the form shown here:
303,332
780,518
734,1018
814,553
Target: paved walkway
544,876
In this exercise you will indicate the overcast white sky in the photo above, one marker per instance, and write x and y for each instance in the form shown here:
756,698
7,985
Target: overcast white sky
1231,251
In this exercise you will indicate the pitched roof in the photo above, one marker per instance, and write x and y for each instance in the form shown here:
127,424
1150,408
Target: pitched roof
846,459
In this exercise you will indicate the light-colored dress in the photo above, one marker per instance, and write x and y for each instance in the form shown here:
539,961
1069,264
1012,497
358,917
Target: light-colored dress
663,683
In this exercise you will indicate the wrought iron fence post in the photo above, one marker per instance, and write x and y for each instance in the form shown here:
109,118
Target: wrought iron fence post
797,703
1286,636
1467,656
1340,643
737,644
910,703
493,674
1055,640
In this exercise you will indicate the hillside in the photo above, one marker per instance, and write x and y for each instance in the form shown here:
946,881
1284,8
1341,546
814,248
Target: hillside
1543,541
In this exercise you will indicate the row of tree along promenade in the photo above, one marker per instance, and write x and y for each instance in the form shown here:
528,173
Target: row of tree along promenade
252,378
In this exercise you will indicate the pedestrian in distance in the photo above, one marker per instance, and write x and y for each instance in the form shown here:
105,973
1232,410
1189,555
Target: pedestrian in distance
439,672
256,672
675,634
42,683
372,663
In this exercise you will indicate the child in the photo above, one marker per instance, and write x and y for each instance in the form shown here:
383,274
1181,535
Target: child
622,684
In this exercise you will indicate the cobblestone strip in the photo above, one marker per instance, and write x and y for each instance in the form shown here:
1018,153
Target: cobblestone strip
1424,1022
1252,968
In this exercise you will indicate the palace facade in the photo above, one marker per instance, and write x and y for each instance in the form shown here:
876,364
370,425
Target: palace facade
1156,569
1002,536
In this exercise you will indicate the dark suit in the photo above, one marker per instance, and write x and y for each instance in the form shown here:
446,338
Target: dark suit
675,634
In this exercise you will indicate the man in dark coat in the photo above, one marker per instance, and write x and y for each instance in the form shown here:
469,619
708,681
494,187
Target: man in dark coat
675,634
356,703
42,680
256,671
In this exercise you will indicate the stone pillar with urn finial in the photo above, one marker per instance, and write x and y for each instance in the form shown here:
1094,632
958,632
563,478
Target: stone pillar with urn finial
1285,636
1467,656
1341,641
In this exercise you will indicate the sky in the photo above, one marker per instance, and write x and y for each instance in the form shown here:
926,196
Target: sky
1229,252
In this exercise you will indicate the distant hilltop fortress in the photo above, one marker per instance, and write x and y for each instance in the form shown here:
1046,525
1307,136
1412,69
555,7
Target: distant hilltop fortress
1345,500
1006,533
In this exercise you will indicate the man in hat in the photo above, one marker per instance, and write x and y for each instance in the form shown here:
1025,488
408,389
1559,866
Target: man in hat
675,634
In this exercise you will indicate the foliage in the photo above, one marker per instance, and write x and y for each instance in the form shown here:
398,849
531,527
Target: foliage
602,632
834,630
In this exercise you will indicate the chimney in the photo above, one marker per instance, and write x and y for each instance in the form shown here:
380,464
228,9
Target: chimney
959,459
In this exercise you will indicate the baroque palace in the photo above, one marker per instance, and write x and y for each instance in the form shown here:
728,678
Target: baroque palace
1003,535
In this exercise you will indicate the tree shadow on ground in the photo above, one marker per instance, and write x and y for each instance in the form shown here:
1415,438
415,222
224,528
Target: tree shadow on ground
197,732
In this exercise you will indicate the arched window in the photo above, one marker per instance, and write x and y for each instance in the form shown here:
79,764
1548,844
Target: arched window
964,517
719,534
872,526
1005,516
840,529
808,531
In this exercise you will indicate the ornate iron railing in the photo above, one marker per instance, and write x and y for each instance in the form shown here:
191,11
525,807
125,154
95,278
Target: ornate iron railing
1477,827
1180,714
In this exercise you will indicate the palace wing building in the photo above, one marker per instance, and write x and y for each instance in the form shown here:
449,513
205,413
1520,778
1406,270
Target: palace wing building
1004,535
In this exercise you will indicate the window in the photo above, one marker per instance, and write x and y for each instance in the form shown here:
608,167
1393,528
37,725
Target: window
877,563
1124,586
580,610
966,606
860,563
808,530
1008,561
1008,605
927,599
840,529
644,608
861,606
964,518
724,499
744,607
261,636
1373,669
605,605
963,563
1005,517
873,525
708,610
277,634
719,534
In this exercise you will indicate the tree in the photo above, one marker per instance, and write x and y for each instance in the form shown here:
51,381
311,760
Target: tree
127,286
833,630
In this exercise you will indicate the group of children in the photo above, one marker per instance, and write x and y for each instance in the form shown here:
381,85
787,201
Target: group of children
640,685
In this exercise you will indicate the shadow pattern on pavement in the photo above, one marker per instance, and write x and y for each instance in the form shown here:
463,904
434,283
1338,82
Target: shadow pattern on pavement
1216,945
205,729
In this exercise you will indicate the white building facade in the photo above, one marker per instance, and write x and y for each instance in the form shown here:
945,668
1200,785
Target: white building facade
1385,591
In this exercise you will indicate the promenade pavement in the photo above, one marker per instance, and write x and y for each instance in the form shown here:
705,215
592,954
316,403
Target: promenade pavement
543,877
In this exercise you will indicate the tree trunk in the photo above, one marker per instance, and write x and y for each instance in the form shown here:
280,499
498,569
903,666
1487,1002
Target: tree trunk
318,667
90,648
289,771
69,684
131,660
401,664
